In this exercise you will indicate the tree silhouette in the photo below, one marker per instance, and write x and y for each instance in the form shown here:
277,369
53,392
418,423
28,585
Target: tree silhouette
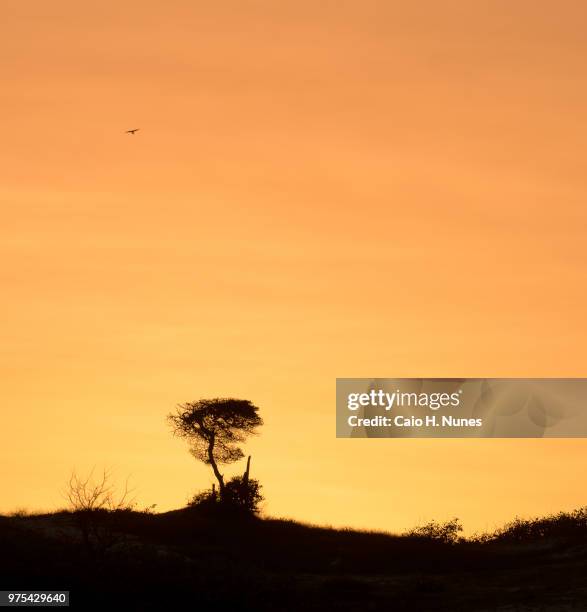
214,428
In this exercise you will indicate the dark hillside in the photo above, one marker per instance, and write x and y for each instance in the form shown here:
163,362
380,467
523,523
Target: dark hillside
148,561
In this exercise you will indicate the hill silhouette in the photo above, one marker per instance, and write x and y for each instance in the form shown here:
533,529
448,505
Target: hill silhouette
146,561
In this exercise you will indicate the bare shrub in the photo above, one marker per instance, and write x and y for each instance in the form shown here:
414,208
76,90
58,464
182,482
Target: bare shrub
93,501
89,494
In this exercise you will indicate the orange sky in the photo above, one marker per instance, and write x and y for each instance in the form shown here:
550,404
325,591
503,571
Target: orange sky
362,189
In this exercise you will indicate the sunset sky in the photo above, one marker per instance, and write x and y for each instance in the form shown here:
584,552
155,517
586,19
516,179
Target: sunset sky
318,189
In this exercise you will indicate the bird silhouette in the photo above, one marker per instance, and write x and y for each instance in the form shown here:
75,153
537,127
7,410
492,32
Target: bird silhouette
132,131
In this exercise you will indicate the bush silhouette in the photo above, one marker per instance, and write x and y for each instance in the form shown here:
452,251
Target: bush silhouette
241,495
447,533
568,526
244,493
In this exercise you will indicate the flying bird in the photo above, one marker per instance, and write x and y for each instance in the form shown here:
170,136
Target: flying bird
132,131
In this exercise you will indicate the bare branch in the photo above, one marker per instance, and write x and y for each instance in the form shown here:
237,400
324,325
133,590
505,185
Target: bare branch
89,494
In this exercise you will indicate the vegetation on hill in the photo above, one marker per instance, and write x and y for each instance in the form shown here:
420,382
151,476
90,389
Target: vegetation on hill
148,561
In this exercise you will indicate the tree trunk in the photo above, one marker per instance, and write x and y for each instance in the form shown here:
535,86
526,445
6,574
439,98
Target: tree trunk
215,469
